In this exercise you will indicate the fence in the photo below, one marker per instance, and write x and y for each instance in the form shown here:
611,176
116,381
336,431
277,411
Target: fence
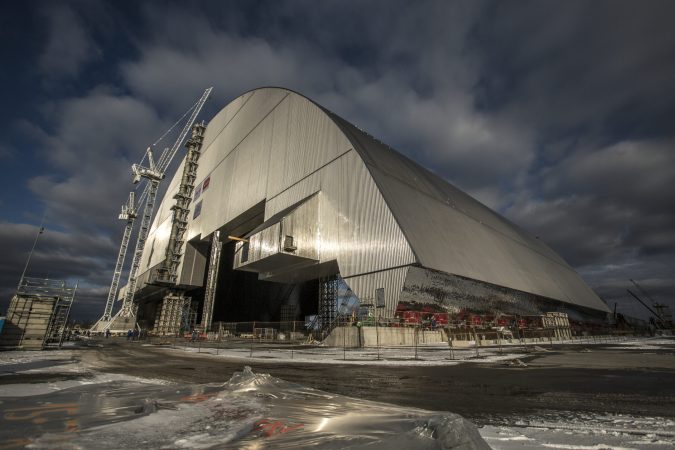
374,340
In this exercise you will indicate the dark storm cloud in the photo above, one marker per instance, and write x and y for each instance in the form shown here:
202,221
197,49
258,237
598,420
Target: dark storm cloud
430,110
95,140
629,172
68,47
556,114
580,64
58,255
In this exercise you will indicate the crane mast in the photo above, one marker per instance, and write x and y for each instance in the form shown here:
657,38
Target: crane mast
153,174
129,214
662,311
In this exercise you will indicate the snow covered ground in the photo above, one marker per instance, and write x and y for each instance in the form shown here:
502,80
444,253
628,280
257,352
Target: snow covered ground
426,355
583,431
436,354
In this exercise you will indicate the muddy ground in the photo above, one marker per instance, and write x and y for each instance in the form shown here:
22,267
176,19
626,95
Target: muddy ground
603,379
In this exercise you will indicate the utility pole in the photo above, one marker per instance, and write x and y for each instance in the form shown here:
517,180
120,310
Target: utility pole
30,255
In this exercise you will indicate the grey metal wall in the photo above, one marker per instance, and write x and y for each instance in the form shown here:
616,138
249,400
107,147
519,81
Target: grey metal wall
276,146
450,231
379,211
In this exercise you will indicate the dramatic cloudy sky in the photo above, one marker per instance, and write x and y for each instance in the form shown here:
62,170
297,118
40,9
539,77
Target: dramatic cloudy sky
560,115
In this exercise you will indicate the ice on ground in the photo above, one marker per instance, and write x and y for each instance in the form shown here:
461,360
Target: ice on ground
432,354
22,357
86,378
249,411
427,356
647,344
64,371
584,431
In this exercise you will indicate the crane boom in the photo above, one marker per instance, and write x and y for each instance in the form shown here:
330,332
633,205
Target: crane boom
642,291
658,316
148,209
166,158
129,214
154,174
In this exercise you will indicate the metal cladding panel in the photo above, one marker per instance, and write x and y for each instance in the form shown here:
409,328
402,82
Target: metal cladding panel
392,281
238,172
260,246
311,141
369,237
356,227
448,240
230,131
155,249
293,194
302,225
193,266
267,244
218,123
408,172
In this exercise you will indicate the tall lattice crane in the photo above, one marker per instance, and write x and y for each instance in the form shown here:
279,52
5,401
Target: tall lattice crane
153,174
128,213
661,311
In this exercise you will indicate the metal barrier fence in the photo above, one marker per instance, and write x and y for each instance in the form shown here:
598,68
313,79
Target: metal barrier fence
297,331
279,351
292,340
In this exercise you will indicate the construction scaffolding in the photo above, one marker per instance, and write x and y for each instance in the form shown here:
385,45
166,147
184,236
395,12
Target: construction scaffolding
558,322
38,314
211,281
168,273
328,293
177,314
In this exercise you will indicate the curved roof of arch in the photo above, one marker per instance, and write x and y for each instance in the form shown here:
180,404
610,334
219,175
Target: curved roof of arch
450,231
447,229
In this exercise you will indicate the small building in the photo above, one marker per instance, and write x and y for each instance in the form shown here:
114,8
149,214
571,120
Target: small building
37,315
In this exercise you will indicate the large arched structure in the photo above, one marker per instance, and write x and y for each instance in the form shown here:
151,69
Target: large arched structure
316,197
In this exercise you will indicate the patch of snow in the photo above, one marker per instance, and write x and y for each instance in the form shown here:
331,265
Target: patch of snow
23,357
368,356
582,431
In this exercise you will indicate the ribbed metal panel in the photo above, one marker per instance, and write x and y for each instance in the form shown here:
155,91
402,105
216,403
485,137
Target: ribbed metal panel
356,227
302,226
392,281
240,160
454,233
218,123
305,139
368,237
155,248
285,149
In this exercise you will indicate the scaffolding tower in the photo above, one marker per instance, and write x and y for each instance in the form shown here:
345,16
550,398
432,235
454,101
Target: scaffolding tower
38,314
168,273
328,293
177,314
211,280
